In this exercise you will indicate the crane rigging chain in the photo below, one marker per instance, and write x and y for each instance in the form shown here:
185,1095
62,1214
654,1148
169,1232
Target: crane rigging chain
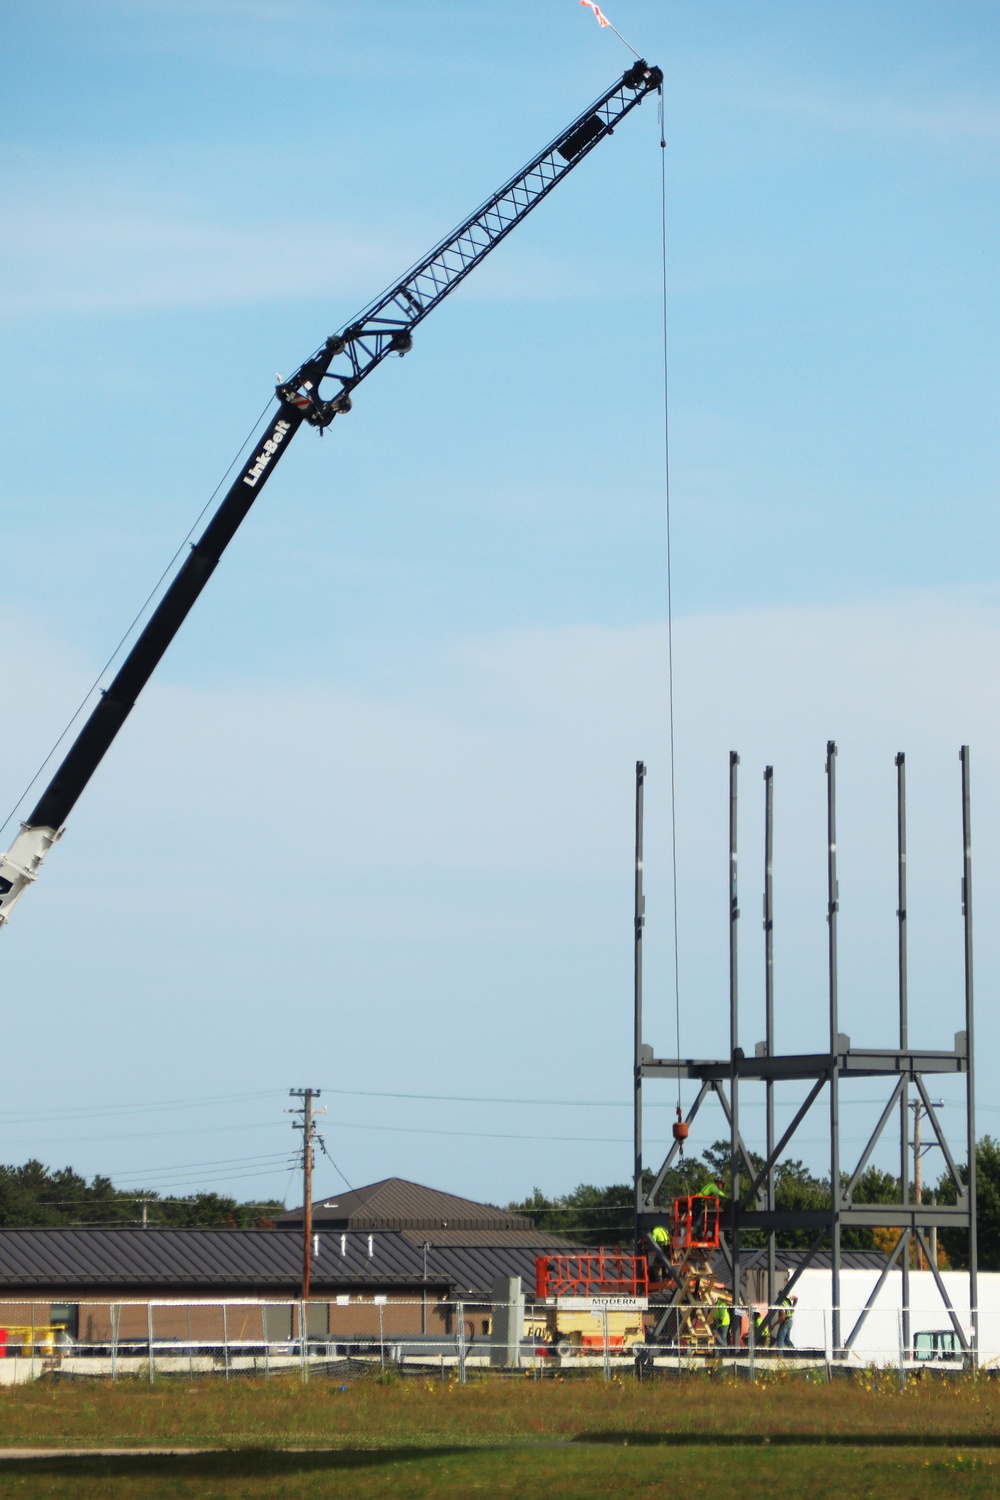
680,1128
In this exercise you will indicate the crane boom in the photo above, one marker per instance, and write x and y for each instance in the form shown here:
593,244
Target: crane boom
384,327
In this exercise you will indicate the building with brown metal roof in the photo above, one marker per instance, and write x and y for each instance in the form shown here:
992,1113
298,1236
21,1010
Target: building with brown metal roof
425,1215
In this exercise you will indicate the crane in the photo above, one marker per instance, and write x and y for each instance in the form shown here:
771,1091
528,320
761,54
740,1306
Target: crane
319,391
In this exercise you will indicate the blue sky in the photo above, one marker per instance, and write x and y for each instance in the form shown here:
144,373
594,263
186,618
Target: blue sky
370,827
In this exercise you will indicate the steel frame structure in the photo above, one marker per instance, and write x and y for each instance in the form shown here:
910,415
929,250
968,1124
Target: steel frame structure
829,1071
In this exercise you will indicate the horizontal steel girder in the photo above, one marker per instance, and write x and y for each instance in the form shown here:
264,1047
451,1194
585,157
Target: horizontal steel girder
851,1215
854,1062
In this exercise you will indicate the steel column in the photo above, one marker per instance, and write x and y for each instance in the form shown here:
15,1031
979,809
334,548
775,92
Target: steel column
769,1012
832,908
904,1032
970,1077
734,1028
639,920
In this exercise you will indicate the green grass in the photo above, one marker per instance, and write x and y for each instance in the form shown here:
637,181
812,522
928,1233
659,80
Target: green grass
785,1436
582,1472
421,1413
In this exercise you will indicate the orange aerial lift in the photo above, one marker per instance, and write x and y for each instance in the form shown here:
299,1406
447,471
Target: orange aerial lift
683,1272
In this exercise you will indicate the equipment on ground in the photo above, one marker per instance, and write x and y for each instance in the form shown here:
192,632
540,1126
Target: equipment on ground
384,327
936,1345
589,1303
600,1272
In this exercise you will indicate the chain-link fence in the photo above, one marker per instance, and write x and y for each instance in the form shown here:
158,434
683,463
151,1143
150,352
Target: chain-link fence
236,1338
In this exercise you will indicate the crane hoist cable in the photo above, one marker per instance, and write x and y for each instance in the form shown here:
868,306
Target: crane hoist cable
319,391
670,607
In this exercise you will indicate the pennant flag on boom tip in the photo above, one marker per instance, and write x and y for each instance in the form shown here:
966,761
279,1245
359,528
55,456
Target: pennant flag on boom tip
602,19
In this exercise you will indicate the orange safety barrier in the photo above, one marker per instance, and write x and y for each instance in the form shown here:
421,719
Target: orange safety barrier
601,1273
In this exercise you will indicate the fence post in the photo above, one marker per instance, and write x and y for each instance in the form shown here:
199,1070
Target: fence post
751,1342
461,1343
304,1362
381,1338
225,1338
902,1353
149,1340
114,1339
32,1342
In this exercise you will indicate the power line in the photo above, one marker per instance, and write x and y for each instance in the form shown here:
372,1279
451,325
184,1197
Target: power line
97,1112
145,1106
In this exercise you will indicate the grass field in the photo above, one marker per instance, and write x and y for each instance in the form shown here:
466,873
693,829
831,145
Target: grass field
783,1437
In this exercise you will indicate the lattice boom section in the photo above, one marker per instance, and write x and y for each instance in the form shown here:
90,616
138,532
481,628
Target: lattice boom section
374,334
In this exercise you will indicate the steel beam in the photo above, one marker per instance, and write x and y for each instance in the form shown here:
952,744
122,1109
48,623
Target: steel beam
735,1054
874,1062
857,1216
858,1062
873,1295
769,1014
639,921
873,1140
648,1199
832,908
740,1143
970,1086
904,1031
943,1290
939,1133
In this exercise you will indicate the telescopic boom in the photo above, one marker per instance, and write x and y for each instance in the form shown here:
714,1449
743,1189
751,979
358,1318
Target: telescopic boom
384,327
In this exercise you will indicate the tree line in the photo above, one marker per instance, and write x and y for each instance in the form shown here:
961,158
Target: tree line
603,1215
35,1197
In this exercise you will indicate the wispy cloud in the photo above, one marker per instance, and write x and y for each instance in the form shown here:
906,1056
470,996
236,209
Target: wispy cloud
949,119
392,855
75,261
110,261
496,711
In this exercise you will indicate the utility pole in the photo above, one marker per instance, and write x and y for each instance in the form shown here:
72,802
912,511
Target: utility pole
308,1128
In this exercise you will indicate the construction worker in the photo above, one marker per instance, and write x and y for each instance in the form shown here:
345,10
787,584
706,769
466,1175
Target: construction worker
711,1190
721,1319
660,1236
761,1329
786,1312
